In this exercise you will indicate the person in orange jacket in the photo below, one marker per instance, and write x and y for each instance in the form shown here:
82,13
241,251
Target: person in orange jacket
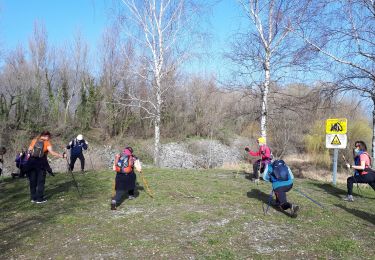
37,166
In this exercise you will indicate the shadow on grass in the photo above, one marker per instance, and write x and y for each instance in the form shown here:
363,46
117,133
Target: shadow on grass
339,193
13,235
23,220
264,198
359,213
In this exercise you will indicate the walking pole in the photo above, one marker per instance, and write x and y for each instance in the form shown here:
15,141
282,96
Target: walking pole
71,172
138,166
314,201
88,154
346,162
268,203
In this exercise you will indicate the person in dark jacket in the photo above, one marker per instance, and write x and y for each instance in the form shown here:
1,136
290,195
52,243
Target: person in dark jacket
281,177
21,161
76,147
125,177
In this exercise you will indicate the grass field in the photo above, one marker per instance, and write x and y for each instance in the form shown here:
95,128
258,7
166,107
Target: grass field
211,214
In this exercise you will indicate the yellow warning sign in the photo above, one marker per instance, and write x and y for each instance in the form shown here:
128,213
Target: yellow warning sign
336,140
336,126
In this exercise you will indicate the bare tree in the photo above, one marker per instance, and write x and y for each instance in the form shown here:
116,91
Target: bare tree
159,32
75,76
266,50
349,46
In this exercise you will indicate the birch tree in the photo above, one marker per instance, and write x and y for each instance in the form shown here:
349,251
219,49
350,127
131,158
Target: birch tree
344,35
266,50
159,30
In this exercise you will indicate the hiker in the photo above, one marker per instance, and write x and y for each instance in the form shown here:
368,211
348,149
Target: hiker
3,151
21,161
37,165
264,153
76,146
362,171
125,176
281,177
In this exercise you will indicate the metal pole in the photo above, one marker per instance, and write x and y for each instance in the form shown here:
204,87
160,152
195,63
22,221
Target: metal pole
335,158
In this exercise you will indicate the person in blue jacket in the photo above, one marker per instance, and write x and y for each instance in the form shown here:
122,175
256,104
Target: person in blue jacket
76,147
281,177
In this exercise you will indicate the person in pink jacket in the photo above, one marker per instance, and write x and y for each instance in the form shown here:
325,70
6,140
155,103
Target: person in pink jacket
264,154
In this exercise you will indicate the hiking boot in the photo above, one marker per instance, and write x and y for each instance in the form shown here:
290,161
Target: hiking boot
41,201
294,211
349,198
113,205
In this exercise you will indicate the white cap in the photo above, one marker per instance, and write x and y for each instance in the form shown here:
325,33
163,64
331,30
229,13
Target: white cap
79,137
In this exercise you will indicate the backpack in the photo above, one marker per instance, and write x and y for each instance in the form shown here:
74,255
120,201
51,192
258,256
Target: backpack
124,163
37,151
280,170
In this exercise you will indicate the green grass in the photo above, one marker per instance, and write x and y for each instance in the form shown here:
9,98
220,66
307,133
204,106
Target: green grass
212,214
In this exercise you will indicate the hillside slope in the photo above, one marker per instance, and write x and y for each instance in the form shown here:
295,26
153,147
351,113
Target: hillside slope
211,214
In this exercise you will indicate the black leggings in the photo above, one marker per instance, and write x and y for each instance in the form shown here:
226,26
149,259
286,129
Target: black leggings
73,159
256,166
365,178
37,178
281,196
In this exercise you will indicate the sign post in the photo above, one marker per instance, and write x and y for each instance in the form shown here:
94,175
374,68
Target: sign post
336,138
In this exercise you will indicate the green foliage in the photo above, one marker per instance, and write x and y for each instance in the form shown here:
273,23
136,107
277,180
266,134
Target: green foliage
359,130
315,144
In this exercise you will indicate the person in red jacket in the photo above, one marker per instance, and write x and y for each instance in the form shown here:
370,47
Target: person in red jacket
264,154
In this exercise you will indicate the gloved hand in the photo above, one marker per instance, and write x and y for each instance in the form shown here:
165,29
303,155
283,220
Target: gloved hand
247,149
348,166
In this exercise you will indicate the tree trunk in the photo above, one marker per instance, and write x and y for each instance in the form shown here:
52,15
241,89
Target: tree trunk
373,131
263,120
157,128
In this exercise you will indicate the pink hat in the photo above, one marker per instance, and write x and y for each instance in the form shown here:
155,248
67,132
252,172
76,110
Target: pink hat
128,151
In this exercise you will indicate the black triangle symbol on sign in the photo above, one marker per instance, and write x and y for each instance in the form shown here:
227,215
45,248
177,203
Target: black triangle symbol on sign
336,140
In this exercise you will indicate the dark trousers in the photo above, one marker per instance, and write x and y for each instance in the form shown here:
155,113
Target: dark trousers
22,171
365,178
281,196
256,170
37,179
73,159
124,182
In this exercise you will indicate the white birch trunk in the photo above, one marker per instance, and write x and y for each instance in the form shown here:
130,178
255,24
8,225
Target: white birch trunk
157,129
373,132
263,119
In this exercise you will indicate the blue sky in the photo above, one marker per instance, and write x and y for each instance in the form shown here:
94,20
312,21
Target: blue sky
64,18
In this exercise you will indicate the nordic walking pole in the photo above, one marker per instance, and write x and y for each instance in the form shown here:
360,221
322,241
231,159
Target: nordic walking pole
314,201
138,166
353,174
74,180
268,203
88,154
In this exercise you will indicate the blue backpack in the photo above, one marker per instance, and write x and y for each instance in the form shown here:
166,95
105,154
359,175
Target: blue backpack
280,170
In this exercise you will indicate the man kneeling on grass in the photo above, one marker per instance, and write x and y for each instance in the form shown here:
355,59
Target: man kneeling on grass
281,177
